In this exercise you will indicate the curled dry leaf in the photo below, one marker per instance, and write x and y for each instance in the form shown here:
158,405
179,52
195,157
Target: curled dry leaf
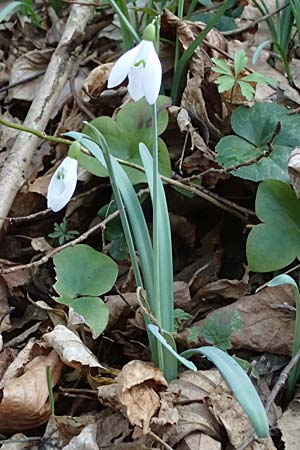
70,348
24,401
96,80
61,429
206,406
289,424
85,440
135,393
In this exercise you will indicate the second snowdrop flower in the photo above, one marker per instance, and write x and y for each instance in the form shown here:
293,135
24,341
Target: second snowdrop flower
142,66
62,184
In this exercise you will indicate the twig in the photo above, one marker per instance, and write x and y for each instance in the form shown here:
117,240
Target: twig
49,255
158,439
16,168
282,379
19,83
249,162
75,241
179,182
254,23
44,212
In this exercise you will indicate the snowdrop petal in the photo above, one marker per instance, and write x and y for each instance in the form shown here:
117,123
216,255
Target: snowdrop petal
152,77
135,86
120,70
62,184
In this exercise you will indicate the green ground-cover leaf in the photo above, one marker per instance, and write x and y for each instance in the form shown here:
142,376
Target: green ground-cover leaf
94,311
254,128
81,270
275,243
132,125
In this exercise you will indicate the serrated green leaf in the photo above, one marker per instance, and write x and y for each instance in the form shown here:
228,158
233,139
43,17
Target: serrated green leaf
220,326
94,311
221,67
193,335
240,384
258,78
240,61
225,83
247,90
81,270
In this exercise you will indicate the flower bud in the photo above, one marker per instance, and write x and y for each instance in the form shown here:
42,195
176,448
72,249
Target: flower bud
74,150
149,33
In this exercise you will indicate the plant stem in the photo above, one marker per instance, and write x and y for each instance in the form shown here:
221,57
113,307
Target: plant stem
294,374
156,271
180,15
40,134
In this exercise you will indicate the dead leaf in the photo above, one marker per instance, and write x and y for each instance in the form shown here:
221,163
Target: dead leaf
187,31
24,403
289,425
70,348
265,327
96,81
135,393
62,429
31,63
86,439
198,441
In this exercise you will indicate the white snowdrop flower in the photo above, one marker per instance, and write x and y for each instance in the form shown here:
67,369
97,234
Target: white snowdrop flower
62,184
143,68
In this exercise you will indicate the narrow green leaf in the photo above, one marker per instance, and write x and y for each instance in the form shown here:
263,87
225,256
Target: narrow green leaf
259,49
9,8
240,384
185,58
164,244
185,362
295,372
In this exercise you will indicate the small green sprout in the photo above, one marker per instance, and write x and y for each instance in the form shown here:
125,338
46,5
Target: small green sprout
231,77
62,233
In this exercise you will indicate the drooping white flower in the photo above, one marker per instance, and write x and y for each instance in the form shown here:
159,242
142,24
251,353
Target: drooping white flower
142,66
62,184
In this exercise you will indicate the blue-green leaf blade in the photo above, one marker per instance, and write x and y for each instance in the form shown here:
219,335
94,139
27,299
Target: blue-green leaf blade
240,385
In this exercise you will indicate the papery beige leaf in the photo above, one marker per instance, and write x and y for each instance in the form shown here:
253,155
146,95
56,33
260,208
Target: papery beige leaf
61,429
27,65
289,425
24,403
86,440
135,393
198,441
70,348
24,443
96,80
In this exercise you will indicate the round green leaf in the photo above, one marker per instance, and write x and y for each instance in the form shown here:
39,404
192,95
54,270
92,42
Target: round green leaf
81,270
94,311
275,243
132,125
272,247
255,127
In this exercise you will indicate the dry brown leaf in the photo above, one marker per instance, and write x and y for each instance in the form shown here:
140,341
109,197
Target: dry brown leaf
61,429
135,393
96,80
198,441
289,425
24,444
266,325
25,66
86,440
221,288
24,403
70,348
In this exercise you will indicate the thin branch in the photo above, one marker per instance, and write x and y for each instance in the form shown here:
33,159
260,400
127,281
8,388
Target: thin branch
19,83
